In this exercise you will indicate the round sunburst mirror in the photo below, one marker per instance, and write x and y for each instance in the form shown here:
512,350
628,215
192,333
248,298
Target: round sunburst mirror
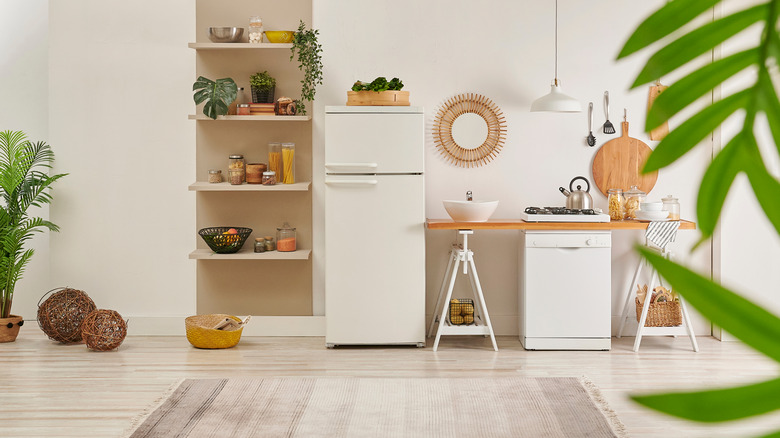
469,130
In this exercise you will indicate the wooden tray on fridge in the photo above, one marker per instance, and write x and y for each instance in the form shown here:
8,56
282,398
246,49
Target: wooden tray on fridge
378,98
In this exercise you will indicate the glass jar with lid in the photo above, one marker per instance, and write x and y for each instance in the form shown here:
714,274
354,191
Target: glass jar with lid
237,163
269,178
634,197
275,159
259,244
672,205
285,238
215,176
616,203
269,243
255,30
288,163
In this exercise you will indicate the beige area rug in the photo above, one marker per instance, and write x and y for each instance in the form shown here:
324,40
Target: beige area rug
382,407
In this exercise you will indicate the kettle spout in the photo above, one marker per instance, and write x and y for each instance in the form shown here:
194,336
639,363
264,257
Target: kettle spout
564,191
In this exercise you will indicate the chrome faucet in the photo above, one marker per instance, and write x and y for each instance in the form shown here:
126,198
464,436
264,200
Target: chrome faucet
468,196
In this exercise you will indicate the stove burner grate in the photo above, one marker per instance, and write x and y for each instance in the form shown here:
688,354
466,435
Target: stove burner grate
559,210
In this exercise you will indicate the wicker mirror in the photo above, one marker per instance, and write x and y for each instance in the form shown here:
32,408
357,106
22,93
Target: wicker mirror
469,130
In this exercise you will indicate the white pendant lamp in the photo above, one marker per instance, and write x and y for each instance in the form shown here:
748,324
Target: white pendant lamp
556,101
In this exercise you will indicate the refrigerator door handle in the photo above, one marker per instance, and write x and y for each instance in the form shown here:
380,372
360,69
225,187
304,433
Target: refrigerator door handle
352,181
353,165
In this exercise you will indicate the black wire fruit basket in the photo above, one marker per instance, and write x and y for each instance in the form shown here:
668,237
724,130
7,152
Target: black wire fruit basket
225,240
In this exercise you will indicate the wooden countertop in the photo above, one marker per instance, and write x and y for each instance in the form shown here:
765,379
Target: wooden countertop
519,224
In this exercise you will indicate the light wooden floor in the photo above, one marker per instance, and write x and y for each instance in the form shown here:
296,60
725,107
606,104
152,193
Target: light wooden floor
52,390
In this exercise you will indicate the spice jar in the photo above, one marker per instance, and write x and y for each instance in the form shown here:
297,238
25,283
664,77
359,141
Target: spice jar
285,238
237,163
259,244
233,107
288,163
215,176
269,178
672,205
275,159
269,243
616,204
255,30
254,173
243,109
634,197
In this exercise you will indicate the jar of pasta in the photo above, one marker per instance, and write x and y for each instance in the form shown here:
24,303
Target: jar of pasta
616,204
288,163
237,163
275,159
285,238
634,197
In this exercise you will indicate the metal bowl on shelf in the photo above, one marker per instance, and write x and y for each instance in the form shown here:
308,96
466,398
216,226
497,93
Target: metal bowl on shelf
226,34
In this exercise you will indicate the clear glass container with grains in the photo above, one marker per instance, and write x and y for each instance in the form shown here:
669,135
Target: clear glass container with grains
285,238
237,163
672,205
288,163
275,159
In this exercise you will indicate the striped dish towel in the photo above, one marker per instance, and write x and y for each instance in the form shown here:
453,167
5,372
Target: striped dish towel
661,233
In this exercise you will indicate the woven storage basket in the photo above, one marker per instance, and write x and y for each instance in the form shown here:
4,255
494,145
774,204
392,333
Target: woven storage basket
201,334
663,314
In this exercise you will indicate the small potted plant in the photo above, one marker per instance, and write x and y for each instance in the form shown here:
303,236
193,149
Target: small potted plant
24,183
263,86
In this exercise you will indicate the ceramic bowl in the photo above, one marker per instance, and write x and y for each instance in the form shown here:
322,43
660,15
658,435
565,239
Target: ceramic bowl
470,211
652,215
651,206
279,36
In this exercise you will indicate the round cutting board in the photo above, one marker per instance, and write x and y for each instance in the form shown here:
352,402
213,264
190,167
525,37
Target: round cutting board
618,163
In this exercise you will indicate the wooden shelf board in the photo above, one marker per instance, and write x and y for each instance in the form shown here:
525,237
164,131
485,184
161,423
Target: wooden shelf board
253,118
213,46
249,254
202,186
519,224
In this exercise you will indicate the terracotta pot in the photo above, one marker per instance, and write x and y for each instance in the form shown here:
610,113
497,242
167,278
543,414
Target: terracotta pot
9,328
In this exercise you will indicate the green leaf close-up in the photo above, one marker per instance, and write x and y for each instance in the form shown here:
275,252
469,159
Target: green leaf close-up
752,324
218,95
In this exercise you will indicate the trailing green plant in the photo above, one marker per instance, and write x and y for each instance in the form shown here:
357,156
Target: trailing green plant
750,323
262,81
218,95
379,84
309,60
24,183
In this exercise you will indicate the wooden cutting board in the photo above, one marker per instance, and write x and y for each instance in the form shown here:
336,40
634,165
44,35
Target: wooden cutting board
618,162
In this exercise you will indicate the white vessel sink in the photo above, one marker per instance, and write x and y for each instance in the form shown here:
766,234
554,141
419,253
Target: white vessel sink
470,211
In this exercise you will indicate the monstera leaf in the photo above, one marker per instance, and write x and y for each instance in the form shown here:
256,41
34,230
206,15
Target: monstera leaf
751,323
217,95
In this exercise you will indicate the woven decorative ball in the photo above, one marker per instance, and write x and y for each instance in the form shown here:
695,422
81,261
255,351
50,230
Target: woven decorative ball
103,330
60,315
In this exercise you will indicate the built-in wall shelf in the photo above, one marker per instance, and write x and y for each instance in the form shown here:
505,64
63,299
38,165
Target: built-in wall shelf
212,46
202,186
253,118
249,254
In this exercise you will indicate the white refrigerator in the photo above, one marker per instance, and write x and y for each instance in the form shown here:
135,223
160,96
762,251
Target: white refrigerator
374,225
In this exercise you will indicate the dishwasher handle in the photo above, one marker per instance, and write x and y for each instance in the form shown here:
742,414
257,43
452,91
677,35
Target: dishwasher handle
351,181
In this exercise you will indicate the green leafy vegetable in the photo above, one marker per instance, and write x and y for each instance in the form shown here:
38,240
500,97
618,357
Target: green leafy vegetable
378,84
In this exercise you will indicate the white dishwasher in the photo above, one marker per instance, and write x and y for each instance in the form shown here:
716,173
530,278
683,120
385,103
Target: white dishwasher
565,290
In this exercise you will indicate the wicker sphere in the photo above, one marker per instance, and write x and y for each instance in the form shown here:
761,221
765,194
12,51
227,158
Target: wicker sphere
103,330
61,315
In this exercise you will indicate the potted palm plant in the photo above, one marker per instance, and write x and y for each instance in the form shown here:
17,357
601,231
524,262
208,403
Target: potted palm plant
24,183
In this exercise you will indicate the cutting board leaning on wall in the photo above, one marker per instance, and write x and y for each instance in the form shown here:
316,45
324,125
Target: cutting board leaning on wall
618,164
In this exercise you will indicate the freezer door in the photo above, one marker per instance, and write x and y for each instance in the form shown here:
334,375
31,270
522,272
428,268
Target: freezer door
374,143
374,259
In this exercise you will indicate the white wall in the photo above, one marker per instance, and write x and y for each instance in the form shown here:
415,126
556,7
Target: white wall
505,51
24,29
121,79
749,246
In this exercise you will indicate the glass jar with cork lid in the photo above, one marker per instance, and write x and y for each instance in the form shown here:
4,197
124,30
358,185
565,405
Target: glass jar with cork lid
634,197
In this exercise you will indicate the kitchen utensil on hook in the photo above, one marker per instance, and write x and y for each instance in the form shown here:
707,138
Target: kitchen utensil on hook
591,138
608,128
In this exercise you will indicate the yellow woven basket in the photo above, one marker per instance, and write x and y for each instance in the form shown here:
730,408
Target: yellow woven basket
201,334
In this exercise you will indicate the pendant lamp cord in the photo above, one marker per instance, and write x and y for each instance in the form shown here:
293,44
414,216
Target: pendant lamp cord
556,42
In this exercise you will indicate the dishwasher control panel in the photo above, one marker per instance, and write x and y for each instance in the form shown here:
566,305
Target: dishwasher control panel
568,240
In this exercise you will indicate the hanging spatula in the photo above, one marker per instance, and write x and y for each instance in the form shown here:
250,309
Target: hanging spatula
608,128
591,138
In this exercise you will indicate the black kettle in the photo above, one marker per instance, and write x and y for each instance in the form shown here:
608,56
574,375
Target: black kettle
577,199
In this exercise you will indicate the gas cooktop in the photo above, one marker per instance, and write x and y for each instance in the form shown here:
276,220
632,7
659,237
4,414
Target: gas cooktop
562,214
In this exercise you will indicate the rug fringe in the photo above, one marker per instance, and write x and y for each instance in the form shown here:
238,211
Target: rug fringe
595,394
140,418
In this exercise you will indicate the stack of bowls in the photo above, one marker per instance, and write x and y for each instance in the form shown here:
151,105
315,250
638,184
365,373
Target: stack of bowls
652,211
